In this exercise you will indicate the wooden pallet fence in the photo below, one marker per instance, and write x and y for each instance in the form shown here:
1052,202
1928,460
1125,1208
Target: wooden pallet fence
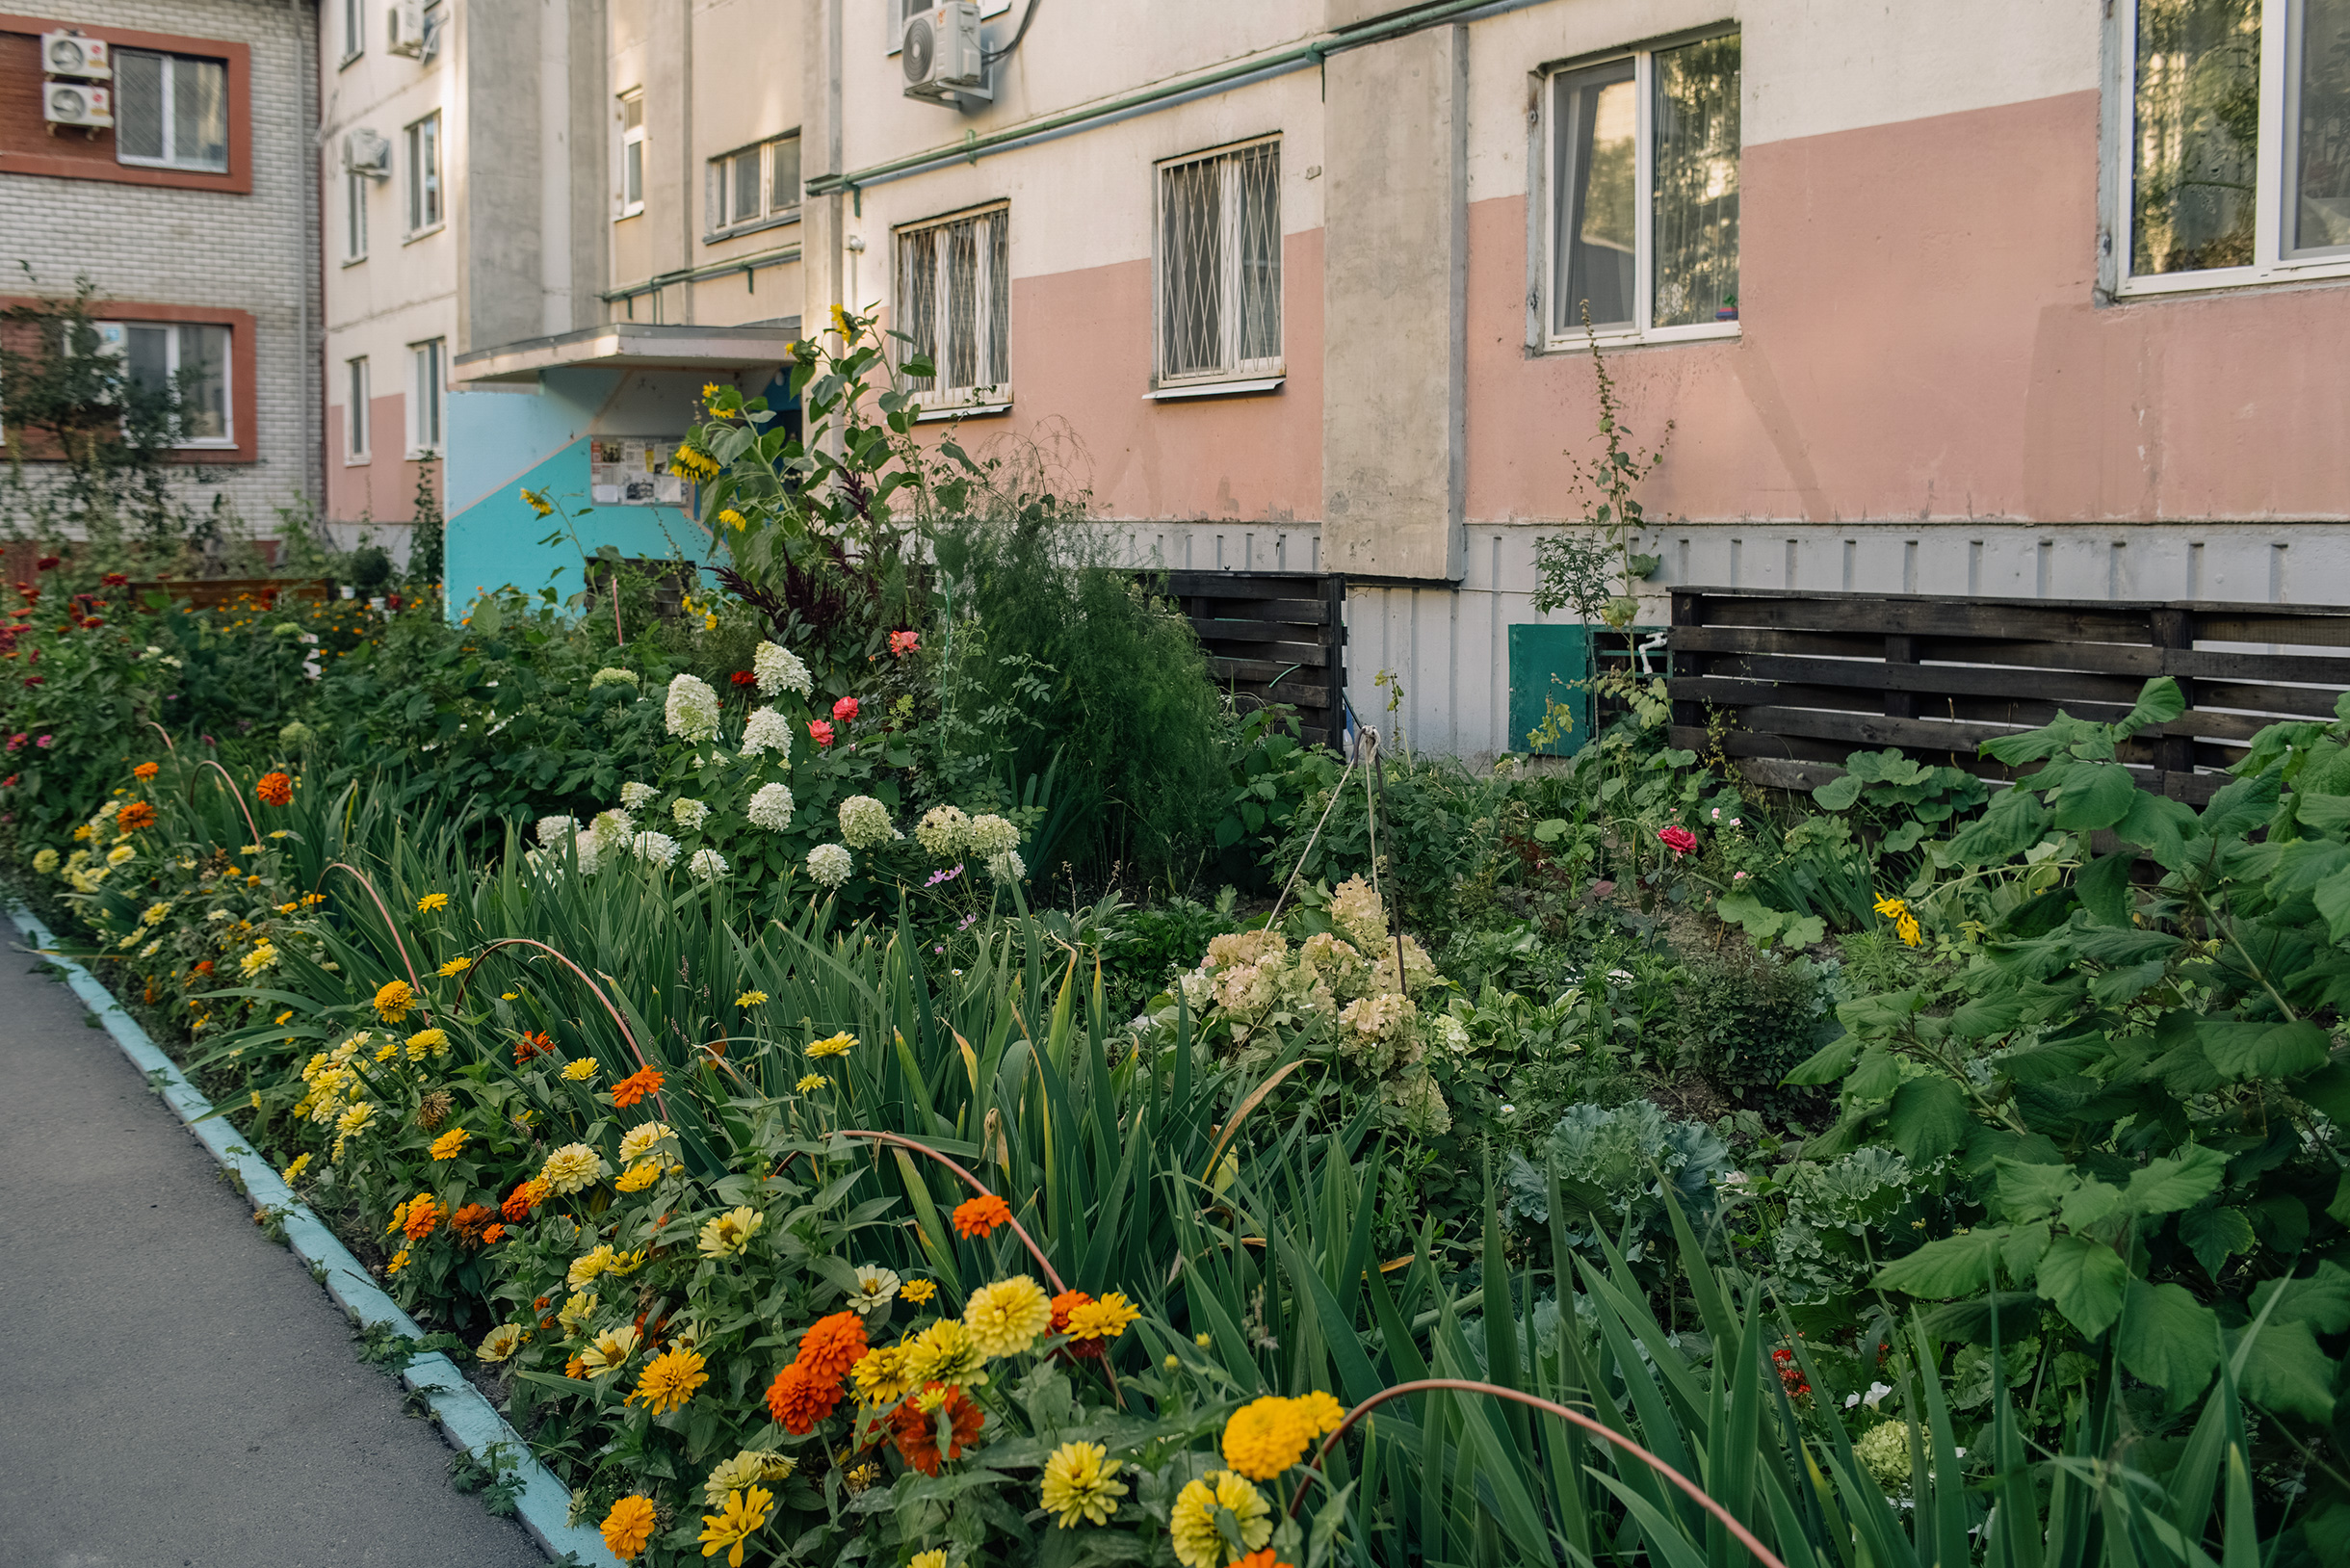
1272,638
1805,679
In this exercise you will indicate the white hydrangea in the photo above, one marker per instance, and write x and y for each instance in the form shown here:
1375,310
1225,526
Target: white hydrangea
778,668
693,710
707,865
830,864
555,830
865,822
771,808
941,831
610,677
990,835
612,829
657,847
635,797
767,731
689,814
1007,867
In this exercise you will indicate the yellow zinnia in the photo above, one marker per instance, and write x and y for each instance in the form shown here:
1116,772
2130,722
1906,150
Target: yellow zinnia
837,1045
639,1176
945,1353
730,1233
1080,1485
1266,1436
880,1375
669,1380
1199,1542
629,1527
1006,1317
1102,1319
450,1144
428,1042
610,1352
745,1515
393,1001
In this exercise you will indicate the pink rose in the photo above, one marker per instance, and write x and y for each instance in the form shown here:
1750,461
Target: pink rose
820,731
1680,840
902,643
845,709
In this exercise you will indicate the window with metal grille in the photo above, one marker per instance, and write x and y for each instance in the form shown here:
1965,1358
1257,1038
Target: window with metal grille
170,110
954,305
1219,264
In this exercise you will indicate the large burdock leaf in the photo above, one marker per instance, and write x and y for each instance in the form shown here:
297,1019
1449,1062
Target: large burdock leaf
2262,1050
2168,1338
1928,1118
2164,1187
1955,1266
2085,1280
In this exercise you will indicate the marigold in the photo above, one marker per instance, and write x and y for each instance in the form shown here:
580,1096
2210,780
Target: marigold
636,1085
916,1430
1080,1485
450,1144
394,1000
431,902
1193,1527
1102,1319
523,1199
629,1527
1266,1436
980,1216
1006,1317
745,1515
146,770
135,816
275,790
668,1380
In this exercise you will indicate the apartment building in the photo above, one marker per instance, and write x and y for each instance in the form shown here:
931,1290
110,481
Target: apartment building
2002,296
157,147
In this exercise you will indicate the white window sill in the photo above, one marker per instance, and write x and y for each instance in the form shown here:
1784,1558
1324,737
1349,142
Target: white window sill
423,233
1181,390
962,410
420,454
627,213
1654,337
175,168
2223,279
222,444
720,236
357,459
353,261
350,60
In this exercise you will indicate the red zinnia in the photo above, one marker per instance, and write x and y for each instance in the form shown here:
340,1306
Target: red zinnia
636,1085
113,579
980,1216
902,643
275,790
532,1044
1678,840
916,1430
46,564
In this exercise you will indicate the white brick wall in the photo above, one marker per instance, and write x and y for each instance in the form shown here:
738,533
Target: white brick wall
256,252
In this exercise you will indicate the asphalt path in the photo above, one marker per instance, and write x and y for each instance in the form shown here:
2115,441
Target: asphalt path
175,1391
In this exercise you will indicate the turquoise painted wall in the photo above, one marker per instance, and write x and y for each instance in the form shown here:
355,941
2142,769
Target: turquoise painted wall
501,442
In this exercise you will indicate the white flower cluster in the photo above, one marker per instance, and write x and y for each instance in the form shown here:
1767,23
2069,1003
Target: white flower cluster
635,797
658,849
689,814
767,731
612,829
777,668
555,835
707,865
865,822
1007,867
941,831
990,835
693,710
609,676
830,864
553,831
770,808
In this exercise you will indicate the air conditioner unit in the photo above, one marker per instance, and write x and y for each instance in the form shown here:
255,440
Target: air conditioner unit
366,153
941,52
404,28
69,54
74,104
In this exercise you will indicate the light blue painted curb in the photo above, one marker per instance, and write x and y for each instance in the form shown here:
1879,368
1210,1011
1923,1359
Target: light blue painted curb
470,1420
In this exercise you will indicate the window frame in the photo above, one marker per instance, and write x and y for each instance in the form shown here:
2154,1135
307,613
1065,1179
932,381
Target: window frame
1244,375
358,401
354,30
426,186
980,397
355,186
628,136
170,91
226,440
427,389
2280,22
717,175
1545,334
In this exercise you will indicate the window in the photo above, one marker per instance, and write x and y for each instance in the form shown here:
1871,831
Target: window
755,186
954,307
187,358
171,111
431,362
1219,266
1644,195
2235,165
356,412
424,175
632,154
354,29
354,215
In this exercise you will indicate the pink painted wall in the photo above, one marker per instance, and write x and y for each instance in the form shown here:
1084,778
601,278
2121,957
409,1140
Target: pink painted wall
1921,340
1081,366
382,489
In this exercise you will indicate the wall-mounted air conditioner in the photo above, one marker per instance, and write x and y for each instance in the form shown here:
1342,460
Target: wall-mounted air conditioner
941,52
366,153
69,54
75,103
404,28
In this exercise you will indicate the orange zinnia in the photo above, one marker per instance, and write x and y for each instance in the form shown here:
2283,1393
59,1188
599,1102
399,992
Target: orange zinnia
493,1236
533,1045
832,1346
799,1401
916,1430
146,770
275,790
523,1199
980,1216
423,1216
1062,1305
473,1220
135,816
1262,1557
636,1085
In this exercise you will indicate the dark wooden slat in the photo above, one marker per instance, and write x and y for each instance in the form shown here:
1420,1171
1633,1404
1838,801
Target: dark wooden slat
1244,585
1780,773
1225,669
2286,626
1943,617
1231,629
1933,679
2303,701
1287,611
1307,655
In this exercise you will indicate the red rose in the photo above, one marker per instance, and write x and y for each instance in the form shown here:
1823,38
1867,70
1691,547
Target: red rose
845,709
742,677
1680,840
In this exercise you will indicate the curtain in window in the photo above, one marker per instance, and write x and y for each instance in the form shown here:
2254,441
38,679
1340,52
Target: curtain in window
1694,223
1596,162
199,114
203,383
954,300
2196,140
1219,278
